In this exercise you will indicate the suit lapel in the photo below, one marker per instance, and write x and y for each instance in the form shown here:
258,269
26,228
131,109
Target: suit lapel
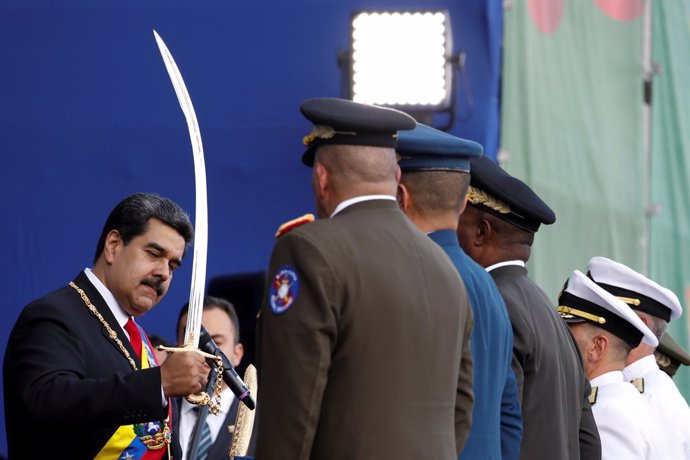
94,296
221,446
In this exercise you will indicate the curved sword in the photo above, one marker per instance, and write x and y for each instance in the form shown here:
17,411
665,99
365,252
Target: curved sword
196,292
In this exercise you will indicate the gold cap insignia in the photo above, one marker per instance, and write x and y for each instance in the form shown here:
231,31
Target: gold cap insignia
319,132
476,196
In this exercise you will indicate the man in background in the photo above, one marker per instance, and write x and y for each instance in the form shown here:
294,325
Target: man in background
606,329
656,306
365,320
433,187
497,230
209,436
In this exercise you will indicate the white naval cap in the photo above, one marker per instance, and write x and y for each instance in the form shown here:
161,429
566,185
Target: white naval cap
635,289
582,300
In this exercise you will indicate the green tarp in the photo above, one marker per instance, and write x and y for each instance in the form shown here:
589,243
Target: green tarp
573,127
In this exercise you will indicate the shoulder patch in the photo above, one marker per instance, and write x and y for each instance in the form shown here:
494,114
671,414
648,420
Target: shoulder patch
284,289
593,396
294,223
638,383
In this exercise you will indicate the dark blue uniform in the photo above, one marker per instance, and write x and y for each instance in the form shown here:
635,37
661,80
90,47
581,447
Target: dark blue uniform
496,419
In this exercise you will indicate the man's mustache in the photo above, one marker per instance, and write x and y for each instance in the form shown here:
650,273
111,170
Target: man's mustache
154,282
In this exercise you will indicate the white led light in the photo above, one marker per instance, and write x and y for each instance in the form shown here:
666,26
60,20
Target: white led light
399,59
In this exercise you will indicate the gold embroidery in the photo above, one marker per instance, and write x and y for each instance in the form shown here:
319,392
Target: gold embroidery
568,313
476,196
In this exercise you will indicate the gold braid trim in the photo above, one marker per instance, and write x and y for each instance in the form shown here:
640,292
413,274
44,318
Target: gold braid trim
476,196
568,313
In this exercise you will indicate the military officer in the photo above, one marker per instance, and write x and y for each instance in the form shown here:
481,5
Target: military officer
365,321
606,329
435,177
656,306
497,230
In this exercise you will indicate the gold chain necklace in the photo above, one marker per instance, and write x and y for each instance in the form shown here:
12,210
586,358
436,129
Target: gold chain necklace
111,333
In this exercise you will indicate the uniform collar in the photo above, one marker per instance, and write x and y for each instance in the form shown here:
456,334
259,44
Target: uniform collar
358,199
640,368
607,379
444,237
519,263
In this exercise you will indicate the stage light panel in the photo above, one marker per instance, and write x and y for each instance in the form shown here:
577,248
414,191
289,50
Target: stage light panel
401,59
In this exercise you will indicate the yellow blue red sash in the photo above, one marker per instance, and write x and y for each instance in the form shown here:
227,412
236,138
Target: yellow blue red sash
145,441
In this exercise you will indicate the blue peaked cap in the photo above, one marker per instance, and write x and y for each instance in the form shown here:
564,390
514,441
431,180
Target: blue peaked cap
427,149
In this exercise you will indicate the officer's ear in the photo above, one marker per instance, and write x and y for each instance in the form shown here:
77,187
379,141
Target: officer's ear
321,179
403,197
483,232
599,346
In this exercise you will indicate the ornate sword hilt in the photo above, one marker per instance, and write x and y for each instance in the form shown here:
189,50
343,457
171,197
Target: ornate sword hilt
203,398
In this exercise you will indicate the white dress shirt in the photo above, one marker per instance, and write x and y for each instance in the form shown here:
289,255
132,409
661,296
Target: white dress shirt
668,404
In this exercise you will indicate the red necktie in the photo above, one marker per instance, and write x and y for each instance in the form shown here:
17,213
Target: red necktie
134,336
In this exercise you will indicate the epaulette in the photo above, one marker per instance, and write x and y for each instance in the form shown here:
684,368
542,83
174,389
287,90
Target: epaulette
593,396
638,383
294,223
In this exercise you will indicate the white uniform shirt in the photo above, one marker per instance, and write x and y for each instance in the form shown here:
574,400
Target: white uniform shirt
215,422
627,426
668,404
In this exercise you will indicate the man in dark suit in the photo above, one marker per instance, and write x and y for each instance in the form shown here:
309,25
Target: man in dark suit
366,321
80,377
435,178
497,229
209,436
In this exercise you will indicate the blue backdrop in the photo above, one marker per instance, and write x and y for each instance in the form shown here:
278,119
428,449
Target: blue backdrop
88,116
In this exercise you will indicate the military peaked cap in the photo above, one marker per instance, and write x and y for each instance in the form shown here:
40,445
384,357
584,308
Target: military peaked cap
495,191
635,289
427,149
583,300
340,121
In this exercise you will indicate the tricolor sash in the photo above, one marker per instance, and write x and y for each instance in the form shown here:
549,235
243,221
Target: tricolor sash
143,440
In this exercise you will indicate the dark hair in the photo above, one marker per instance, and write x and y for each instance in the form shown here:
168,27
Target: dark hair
210,303
131,218
437,192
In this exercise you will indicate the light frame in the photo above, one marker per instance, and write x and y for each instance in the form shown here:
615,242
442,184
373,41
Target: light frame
397,78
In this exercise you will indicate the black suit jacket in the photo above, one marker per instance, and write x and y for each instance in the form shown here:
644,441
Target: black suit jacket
556,415
67,386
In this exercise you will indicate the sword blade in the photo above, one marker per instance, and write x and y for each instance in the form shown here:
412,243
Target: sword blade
200,252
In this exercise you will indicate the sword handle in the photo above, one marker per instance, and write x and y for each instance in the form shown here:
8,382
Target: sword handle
202,398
